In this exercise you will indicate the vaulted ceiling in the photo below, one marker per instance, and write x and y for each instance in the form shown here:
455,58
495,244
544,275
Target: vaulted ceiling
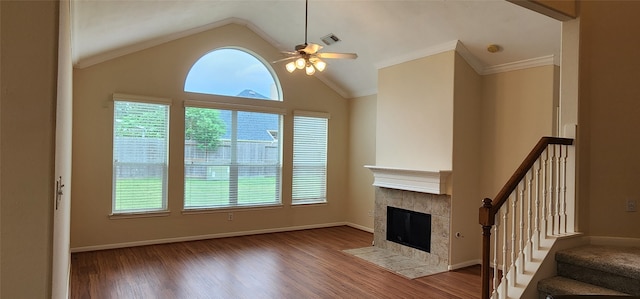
382,33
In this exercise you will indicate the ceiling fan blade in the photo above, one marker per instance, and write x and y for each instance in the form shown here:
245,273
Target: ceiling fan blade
285,59
337,55
312,48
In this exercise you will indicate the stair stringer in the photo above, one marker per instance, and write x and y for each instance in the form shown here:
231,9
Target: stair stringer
541,265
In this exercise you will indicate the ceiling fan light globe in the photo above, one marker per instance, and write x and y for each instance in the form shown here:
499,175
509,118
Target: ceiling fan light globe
310,70
291,66
319,65
300,63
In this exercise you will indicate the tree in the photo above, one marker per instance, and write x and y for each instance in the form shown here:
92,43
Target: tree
140,120
204,126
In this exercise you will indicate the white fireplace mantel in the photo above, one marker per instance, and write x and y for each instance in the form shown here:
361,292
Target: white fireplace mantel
434,182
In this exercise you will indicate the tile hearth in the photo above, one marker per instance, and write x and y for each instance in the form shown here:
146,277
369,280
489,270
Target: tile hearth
393,262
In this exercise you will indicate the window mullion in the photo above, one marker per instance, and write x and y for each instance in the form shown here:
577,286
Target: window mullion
233,171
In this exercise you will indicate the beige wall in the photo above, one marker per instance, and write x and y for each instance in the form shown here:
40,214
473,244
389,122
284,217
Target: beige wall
28,85
466,198
425,87
160,72
362,151
609,106
517,109
491,122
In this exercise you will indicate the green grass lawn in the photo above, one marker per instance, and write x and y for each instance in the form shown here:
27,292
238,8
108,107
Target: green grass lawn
137,194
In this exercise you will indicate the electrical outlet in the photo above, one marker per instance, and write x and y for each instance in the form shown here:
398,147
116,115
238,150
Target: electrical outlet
632,205
230,217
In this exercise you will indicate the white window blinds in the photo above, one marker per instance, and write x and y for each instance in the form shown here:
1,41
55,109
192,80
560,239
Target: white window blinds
231,158
309,157
140,157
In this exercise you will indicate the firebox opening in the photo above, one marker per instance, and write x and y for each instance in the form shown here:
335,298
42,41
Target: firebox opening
409,228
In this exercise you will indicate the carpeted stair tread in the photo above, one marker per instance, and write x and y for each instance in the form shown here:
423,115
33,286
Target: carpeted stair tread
624,261
559,285
615,268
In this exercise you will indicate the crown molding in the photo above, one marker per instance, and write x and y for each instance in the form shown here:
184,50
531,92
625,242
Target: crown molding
518,65
102,57
470,58
437,49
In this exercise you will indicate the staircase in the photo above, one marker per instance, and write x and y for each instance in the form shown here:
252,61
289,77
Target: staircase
594,270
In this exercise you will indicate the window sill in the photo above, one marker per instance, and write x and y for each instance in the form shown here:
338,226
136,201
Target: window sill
309,203
229,209
139,214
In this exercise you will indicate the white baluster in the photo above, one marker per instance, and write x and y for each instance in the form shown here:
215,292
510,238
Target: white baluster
551,199
521,236
530,176
505,213
563,188
514,206
495,256
536,234
545,195
557,189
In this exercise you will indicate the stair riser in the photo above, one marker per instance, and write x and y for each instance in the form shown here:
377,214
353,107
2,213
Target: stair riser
600,278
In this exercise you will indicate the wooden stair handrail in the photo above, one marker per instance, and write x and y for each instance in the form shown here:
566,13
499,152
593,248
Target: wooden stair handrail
491,207
526,165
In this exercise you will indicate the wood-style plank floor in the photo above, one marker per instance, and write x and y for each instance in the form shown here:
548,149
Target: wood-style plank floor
300,264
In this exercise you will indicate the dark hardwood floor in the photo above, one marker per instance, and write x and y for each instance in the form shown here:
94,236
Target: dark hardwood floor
300,264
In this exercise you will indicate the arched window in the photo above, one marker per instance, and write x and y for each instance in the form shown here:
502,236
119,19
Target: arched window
233,72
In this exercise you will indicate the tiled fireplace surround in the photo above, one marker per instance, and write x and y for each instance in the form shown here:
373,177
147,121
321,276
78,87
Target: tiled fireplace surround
438,205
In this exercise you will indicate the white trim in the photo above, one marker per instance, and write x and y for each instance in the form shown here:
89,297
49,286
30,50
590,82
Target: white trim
614,241
434,182
236,107
106,56
203,237
364,93
343,93
126,215
229,209
437,49
311,114
473,61
464,264
519,65
142,99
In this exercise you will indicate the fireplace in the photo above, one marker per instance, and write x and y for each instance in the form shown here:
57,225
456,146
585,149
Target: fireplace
409,228
420,192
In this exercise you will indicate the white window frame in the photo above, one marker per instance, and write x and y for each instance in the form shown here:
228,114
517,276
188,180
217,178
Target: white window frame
164,210
215,103
301,199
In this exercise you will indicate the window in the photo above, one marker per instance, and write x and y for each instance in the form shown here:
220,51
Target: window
140,155
232,153
230,158
309,157
233,72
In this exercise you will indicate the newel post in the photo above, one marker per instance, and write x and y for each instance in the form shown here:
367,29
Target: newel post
487,221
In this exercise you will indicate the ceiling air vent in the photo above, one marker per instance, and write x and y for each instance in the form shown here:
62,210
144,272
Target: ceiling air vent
330,39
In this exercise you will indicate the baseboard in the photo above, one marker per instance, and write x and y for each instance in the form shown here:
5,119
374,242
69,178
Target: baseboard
206,237
464,264
360,227
614,241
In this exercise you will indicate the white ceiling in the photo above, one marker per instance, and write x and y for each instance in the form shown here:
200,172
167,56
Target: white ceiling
383,33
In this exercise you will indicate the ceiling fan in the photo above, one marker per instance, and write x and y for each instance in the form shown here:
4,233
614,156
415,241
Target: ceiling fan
306,56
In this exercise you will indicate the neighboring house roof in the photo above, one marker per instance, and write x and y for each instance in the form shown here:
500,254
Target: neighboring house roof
251,125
